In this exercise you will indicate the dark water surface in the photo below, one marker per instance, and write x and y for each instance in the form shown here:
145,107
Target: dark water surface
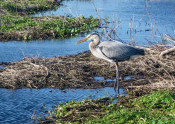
17,106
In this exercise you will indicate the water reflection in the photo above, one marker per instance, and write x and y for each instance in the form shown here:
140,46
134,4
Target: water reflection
17,106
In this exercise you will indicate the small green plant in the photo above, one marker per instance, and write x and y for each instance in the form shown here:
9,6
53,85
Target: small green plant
90,96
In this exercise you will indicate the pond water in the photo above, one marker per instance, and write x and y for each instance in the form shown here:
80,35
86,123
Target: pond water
17,106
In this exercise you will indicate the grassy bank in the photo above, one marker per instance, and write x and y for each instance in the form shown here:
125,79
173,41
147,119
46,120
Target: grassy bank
157,107
30,28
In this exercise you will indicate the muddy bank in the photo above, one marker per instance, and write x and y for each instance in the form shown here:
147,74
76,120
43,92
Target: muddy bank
78,71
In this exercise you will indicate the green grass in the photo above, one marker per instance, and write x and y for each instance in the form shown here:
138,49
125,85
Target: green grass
155,108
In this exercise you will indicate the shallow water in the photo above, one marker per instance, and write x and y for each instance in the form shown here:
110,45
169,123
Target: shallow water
109,80
17,106
127,78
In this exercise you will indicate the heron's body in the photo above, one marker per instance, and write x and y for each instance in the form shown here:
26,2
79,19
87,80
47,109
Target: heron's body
112,51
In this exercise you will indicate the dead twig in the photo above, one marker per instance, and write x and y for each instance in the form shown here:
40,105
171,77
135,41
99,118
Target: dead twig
168,37
149,17
97,12
166,52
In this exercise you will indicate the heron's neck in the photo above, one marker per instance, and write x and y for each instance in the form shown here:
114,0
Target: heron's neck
92,47
94,43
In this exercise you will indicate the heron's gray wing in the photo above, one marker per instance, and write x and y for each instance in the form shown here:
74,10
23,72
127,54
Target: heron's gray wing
117,50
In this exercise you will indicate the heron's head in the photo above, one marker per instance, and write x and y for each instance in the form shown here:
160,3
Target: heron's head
92,37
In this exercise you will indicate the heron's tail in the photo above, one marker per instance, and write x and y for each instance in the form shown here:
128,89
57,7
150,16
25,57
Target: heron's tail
141,52
138,52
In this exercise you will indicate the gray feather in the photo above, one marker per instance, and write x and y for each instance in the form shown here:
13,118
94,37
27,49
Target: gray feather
119,51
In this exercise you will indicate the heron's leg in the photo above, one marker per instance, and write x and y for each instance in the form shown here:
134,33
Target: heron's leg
117,79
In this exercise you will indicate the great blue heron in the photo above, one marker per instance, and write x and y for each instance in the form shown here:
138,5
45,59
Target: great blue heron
112,51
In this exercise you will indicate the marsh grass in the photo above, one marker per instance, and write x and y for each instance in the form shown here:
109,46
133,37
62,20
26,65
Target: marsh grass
157,107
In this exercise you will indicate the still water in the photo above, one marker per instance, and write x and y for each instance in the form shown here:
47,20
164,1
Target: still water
16,50
17,106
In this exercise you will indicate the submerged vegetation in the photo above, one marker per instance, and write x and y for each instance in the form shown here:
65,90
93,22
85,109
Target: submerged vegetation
157,107
16,25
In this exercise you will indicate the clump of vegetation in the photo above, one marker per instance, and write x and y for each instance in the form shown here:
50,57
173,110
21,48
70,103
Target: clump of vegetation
157,107
29,28
28,6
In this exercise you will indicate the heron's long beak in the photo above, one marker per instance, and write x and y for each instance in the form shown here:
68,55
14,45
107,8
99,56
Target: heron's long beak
80,41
